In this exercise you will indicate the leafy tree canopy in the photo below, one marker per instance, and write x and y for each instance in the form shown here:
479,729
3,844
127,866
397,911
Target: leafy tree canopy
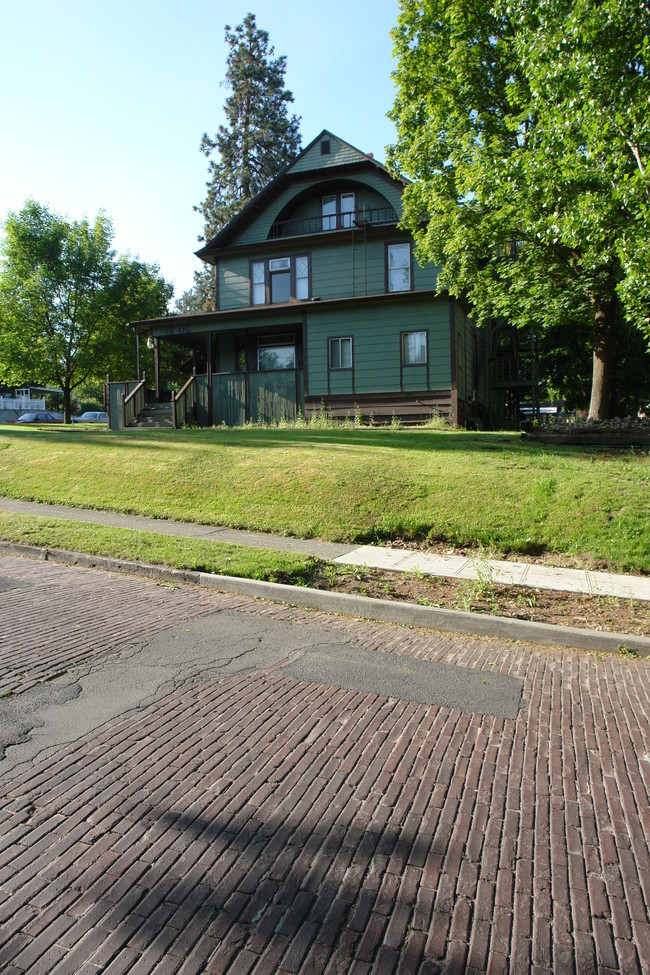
259,139
66,298
526,130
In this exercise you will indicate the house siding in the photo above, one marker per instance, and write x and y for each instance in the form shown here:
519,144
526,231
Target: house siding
376,333
350,266
340,155
234,283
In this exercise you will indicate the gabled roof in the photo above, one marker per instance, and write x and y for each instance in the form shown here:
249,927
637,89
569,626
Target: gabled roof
342,155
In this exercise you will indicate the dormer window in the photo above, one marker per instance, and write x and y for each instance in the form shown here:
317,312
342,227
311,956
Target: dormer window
337,210
325,147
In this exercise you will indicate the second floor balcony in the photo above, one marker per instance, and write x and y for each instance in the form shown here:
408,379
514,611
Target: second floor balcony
326,223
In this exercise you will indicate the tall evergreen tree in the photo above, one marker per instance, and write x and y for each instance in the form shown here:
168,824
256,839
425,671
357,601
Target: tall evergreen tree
260,137
258,140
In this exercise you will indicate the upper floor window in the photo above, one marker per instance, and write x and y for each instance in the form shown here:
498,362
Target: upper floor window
325,147
280,279
338,210
399,267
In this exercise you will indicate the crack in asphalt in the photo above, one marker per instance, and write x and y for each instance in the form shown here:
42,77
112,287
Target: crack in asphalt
41,720
56,713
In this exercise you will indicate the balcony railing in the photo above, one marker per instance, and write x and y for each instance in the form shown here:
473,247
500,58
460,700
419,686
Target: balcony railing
334,221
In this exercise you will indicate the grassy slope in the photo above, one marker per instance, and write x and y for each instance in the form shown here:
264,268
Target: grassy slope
488,489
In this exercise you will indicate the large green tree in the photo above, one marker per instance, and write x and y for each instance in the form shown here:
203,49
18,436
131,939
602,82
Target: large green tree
259,138
525,128
65,299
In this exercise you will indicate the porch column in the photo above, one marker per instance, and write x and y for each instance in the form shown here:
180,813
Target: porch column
208,372
156,367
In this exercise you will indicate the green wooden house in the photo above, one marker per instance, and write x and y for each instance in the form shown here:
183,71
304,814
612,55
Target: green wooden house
320,303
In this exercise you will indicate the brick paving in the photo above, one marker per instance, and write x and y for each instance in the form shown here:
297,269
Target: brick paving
58,616
261,824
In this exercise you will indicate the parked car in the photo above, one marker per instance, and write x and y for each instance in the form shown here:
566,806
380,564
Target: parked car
34,417
91,417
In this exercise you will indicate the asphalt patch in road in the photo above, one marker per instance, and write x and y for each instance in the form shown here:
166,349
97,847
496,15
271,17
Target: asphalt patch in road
409,679
7,584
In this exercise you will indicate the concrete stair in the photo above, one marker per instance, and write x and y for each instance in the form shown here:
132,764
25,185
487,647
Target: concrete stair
155,416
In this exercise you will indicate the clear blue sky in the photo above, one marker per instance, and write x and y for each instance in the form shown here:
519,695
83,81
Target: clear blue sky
104,104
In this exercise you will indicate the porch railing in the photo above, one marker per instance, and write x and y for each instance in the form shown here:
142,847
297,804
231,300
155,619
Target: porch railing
334,221
134,402
184,404
257,397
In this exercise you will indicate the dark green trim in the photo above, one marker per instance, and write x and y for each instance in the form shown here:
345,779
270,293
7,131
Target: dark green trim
281,243
452,357
187,324
304,352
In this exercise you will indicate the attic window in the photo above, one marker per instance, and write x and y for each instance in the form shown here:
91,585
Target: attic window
325,147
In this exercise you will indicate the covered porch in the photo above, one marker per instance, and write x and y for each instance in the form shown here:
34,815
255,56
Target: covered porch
237,369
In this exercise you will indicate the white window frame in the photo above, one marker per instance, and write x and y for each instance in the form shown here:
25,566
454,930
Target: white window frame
408,284
258,288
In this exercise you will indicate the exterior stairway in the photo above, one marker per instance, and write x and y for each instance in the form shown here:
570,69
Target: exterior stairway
155,415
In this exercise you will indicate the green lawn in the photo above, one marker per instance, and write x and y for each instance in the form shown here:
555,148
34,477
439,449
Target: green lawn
488,489
158,549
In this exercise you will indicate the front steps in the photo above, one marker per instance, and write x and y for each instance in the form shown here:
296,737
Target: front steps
155,416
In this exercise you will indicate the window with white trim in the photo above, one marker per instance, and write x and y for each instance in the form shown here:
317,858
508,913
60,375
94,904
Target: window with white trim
301,268
258,282
279,280
340,354
414,348
399,267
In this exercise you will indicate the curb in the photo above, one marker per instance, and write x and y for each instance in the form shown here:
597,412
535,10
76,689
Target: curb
364,607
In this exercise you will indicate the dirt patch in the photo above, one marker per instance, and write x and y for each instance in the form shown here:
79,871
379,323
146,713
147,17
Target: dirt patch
538,557
602,613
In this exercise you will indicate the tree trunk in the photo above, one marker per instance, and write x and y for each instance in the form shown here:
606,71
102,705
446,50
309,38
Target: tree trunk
67,404
604,346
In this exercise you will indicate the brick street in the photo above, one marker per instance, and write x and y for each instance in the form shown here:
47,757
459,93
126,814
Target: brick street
257,822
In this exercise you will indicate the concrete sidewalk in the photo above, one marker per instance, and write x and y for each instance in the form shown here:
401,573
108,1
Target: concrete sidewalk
528,574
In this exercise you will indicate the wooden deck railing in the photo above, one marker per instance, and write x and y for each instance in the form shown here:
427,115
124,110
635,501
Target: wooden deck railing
184,404
134,402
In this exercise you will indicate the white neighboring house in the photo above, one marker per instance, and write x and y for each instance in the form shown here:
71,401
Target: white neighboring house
21,401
